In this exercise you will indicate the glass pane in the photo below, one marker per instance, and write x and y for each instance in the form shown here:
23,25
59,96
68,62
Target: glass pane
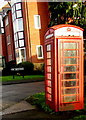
49,97
70,91
48,61
48,47
70,68
49,83
16,44
70,61
20,35
2,30
48,76
69,83
70,45
48,54
14,8
14,16
19,24
49,89
48,68
69,53
39,51
69,98
18,6
21,43
19,13
69,76
23,52
15,37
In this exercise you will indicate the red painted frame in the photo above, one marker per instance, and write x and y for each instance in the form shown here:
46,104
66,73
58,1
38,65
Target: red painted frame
56,101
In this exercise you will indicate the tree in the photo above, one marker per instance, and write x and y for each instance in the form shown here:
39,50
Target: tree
68,13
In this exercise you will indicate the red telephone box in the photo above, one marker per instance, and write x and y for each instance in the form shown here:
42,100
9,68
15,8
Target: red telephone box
63,51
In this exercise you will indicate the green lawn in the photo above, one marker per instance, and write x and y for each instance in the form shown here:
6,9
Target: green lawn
10,78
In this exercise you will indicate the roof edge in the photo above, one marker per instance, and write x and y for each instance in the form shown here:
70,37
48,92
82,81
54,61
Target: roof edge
66,25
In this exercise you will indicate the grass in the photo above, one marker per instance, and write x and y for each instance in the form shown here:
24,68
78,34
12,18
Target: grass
39,100
10,78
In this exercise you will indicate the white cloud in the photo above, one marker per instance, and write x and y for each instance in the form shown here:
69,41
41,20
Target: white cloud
2,3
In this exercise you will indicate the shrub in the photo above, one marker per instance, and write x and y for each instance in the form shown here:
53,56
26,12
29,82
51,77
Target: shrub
40,70
28,67
7,69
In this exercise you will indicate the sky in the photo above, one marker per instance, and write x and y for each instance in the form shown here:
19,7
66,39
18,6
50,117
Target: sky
2,3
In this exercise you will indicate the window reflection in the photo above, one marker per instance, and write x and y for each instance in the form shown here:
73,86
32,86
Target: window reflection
69,76
70,91
70,68
48,54
70,61
48,61
69,98
69,53
70,45
69,83
48,68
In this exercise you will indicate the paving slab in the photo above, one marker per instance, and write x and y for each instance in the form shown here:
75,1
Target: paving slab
19,107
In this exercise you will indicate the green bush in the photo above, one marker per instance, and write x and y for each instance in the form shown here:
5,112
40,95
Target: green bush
28,67
39,71
7,69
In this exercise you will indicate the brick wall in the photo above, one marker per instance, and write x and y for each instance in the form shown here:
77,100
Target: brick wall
34,36
9,31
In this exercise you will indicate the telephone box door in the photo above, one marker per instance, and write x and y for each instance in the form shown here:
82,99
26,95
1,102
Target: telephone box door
70,74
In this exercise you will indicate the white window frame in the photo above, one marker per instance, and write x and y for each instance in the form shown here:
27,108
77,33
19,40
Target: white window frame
37,46
37,26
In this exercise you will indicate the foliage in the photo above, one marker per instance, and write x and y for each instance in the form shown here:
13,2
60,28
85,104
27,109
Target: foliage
39,100
28,67
7,69
68,13
39,71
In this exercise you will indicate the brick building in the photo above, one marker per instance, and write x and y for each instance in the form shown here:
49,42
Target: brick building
25,24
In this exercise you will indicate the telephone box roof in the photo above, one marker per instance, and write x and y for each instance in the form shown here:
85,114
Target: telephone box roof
65,25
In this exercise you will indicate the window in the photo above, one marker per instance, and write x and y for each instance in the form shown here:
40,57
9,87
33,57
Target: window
19,24
18,6
6,21
39,49
17,55
16,44
22,54
15,26
15,37
21,43
19,14
2,30
20,34
37,21
14,16
8,40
